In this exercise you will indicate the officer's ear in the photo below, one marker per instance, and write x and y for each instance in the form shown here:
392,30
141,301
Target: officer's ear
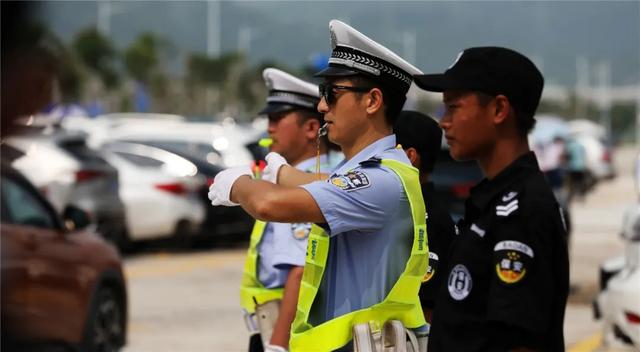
311,127
413,156
374,101
501,108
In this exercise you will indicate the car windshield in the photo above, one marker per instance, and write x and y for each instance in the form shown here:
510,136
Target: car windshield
81,151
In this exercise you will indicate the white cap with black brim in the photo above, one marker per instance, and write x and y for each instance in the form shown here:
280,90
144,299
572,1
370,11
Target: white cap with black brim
356,54
287,92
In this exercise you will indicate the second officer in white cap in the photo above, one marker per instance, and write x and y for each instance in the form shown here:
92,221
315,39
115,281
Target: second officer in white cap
367,256
275,259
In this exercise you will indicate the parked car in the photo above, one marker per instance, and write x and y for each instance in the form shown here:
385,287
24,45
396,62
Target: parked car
61,165
223,144
159,190
599,152
618,303
61,285
453,181
219,222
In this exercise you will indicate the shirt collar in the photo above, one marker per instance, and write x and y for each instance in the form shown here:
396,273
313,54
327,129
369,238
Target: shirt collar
486,190
373,149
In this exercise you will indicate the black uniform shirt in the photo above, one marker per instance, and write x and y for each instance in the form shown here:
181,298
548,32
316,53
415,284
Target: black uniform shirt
440,232
508,271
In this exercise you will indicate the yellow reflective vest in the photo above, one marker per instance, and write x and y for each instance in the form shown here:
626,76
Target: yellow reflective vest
252,291
401,303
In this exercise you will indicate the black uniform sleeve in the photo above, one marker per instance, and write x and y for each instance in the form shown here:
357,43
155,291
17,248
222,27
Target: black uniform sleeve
440,232
523,284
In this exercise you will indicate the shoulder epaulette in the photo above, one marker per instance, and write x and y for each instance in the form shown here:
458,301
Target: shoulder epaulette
371,162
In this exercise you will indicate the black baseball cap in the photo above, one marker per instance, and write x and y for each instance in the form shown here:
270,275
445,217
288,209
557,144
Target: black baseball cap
417,130
494,71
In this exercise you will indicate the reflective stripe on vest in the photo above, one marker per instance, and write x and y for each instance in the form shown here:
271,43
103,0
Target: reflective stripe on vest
402,302
251,289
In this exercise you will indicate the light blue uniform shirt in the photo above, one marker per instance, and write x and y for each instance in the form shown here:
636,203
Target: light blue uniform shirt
284,245
371,231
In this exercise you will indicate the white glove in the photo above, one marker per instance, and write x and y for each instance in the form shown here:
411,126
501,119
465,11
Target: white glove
274,162
220,190
274,348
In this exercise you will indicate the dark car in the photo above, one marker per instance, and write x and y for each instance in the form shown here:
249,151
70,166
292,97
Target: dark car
219,221
453,181
62,288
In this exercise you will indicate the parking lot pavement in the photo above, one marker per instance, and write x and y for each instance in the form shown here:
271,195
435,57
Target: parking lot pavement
189,301
185,302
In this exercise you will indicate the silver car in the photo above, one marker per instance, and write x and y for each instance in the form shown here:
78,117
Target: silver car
67,172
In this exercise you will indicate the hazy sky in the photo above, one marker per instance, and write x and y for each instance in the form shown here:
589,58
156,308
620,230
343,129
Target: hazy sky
553,33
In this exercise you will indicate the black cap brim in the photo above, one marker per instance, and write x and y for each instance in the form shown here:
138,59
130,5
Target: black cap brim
435,82
333,71
275,108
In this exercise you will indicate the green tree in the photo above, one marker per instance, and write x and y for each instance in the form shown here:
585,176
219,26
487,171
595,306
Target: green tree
202,69
98,53
143,57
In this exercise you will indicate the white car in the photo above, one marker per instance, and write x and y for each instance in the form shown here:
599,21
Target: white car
593,137
618,304
62,167
223,144
159,191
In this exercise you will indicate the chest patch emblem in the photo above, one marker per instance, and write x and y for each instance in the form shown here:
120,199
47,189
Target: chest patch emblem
433,266
300,231
512,259
351,181
460,282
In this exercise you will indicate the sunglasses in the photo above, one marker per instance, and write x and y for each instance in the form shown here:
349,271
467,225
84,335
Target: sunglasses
327,91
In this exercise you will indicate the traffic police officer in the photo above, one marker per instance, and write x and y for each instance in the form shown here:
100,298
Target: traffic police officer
366,261
275,258
508,273
421,138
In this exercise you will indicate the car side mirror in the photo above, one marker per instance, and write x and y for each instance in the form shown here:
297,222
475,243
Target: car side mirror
75,218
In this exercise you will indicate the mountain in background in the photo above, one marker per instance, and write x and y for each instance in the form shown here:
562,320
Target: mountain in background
553,34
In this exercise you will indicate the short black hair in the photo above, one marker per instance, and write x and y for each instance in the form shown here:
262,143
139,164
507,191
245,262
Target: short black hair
393,102
525,121
421,132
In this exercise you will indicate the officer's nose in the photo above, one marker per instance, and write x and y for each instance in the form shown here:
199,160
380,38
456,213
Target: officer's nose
323,107
445,122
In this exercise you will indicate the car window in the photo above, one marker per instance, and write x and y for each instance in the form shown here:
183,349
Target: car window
81,151
140,160
197,150
22,207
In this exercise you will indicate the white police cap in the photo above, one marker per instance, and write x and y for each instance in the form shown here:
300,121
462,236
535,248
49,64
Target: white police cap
287,92
356,54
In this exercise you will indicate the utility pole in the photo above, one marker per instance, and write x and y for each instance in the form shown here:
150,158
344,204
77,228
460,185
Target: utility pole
603,72
104,17
244,40
582,87
409,45
213,28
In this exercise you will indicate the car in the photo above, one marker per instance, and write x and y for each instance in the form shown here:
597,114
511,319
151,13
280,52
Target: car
61,165
453,181
63,287
599,154
222,143
219,222
159,190
618,303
